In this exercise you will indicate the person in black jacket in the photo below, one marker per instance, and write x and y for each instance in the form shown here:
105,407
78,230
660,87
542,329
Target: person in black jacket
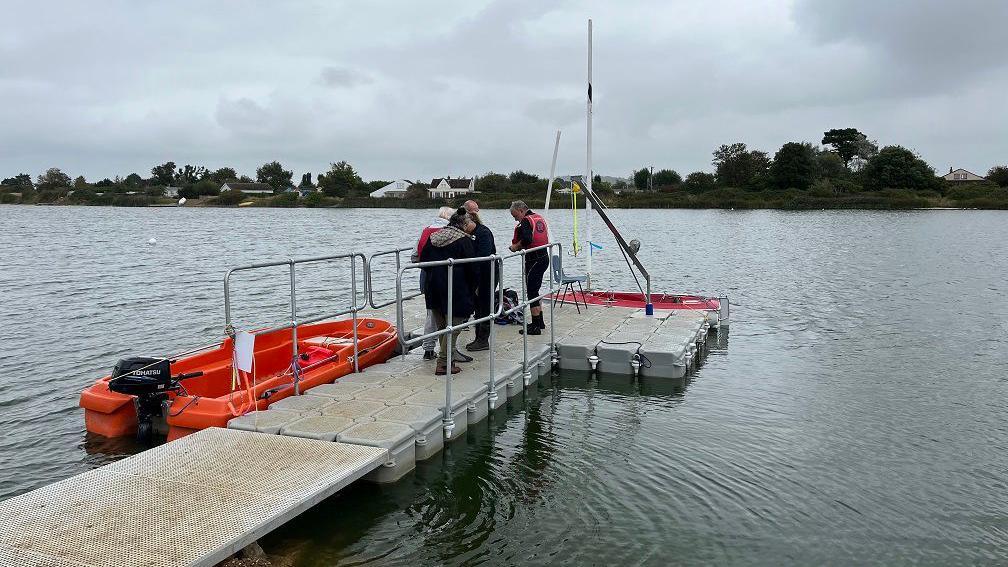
484,246
453,241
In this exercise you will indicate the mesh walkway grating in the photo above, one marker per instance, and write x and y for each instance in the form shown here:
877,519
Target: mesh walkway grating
194,501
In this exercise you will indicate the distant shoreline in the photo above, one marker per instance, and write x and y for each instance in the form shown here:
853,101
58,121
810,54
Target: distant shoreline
538,204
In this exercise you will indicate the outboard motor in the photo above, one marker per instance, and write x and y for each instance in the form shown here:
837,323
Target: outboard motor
150,381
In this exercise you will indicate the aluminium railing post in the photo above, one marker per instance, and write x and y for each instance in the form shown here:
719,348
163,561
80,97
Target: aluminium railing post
399,312
526,376
449,423
491,393
553,352
353,305
398,266
294,346
228,329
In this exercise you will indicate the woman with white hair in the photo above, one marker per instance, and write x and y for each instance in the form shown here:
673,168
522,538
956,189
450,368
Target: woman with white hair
439,222
455,283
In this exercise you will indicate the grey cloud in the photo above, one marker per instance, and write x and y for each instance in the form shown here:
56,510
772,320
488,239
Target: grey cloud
934,40
343,77
406,89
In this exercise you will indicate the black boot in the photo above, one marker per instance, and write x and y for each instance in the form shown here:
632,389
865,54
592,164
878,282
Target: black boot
482,341
536,326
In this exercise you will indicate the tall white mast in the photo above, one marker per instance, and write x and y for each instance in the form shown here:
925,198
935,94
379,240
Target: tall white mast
588,178
549,184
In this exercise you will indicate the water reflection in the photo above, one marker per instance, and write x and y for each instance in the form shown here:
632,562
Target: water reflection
468,504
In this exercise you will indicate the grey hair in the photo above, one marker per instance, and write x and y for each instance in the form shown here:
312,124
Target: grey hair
519,206
445,212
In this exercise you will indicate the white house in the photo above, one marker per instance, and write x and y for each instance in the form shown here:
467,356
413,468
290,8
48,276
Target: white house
447,188
171,192
248,188
961,175
397,189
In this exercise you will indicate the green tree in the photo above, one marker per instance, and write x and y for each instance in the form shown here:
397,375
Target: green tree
794,166
417,191
190,174
134,180
896,167
19,182
222,176
274,175
104,183
998,174
667,178
80,183
520,176
737,166
306,182
830,164
699,182
163,174
315,199
53,178
642,178
371,186
850,143
340,181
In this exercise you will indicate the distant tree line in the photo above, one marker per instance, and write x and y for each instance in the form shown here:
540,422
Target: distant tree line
847,170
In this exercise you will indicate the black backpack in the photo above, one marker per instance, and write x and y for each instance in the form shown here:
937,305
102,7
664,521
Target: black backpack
510,301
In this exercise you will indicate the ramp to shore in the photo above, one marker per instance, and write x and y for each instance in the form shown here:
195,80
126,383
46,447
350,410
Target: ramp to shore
194,501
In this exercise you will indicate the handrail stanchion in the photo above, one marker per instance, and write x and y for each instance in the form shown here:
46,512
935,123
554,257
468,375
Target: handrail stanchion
370,293
449,423
294,346
399,311
353,295
526,375
552,297
491,393
228,328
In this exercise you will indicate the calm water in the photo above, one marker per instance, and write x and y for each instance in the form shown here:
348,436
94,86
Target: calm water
858,414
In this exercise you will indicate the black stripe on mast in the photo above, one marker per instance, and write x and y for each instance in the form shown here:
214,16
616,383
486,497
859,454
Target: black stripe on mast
589,92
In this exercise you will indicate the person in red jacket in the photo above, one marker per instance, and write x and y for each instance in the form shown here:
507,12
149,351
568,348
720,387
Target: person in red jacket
531,232
439,222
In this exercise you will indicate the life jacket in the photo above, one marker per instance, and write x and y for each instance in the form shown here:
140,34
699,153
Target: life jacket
540,232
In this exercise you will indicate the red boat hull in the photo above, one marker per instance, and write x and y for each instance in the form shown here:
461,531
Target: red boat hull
219,394
637,301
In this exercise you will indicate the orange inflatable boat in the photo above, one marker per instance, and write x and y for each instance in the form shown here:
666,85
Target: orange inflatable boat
205,390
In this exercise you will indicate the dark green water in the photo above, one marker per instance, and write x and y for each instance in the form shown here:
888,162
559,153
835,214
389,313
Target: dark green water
856,415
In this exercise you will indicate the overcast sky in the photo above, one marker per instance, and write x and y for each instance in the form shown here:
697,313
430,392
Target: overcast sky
421,89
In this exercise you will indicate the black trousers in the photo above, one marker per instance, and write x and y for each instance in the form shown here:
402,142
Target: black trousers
484,298
535,268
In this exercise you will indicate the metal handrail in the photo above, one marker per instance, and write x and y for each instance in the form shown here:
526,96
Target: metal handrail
293,323
398,264
495,259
